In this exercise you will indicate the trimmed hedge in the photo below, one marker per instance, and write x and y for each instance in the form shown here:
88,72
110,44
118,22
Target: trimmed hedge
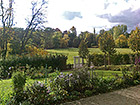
8,66
116,59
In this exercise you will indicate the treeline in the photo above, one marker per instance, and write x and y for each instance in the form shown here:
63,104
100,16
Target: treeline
50,38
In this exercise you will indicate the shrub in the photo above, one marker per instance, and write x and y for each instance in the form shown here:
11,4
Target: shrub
88,93
130,78
97,59
19,80
37,93
78,80
35,62
81,79
102,85
35,73
116,59
56,61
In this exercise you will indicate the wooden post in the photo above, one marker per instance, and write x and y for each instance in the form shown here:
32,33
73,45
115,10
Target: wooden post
74,62
78,62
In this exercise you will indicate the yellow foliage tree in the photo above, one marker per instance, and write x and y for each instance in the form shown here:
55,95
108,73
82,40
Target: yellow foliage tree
32,51
134,40
121,41
134,43
107,45
64,41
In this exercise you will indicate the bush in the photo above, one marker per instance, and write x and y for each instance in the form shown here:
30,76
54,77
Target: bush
116,59
97,59
19,80
8,66
56,61
81,79
78,80
102,85
88,93
130,78
37,93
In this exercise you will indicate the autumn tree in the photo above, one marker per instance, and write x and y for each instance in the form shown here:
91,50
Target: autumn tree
116,31
121,42
107,45
134,42
64,41
83,50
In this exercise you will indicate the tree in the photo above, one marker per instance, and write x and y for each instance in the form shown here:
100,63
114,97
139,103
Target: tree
72,35
6,14
76,42
47,37
101,32
134,42
56,39
116,31
90,38
121,42
64,41
107,45
83,50
36,21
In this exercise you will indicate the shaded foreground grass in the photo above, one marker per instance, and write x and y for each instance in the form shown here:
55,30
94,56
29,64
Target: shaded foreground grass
70,52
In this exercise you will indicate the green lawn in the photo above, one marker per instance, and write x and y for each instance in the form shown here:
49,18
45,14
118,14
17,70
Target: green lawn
70,52
107,73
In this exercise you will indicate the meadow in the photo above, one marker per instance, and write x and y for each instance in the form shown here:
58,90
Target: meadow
71,52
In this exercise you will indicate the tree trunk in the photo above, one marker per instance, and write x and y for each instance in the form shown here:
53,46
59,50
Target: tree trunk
82,61
105,60
109,59
137,61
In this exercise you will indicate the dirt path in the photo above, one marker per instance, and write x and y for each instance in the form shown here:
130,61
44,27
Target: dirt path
129,96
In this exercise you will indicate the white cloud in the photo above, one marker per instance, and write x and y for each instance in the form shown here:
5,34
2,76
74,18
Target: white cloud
89,10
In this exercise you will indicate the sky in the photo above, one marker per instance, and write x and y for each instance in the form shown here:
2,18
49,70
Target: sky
83,14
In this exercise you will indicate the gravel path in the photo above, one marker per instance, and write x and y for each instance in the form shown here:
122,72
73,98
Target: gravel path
129,96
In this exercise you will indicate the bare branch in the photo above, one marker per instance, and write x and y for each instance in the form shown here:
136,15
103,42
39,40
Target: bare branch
37,19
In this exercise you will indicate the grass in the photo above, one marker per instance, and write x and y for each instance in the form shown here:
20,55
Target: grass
71,52
107,73
5,90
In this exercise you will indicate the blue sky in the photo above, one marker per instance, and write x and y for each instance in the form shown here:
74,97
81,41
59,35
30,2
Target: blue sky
84,14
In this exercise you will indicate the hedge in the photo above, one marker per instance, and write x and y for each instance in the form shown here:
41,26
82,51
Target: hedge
7,66
116,59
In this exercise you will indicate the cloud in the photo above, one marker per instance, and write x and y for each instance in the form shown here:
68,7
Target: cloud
71,15
87,14
129,17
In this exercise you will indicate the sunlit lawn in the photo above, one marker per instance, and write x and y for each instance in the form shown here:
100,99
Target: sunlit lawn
71,52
